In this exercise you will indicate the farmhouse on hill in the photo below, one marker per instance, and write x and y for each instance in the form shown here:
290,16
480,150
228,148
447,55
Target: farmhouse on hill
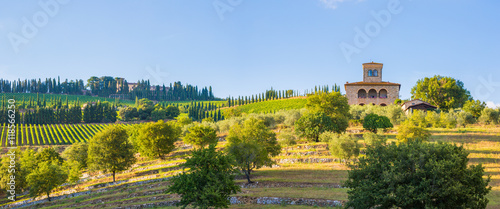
416,104
372,90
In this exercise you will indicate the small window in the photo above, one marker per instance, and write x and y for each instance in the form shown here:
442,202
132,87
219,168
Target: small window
375,73
370,73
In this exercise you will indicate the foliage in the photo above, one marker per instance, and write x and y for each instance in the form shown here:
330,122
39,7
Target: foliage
444,92
111,151
393,112
13,179
408,132
73,169
372,122
77,152
46,177
464,118
252,145
332,104
157,139
373,139
172,112
416,175
201,136
128,113
48,154
474,107
286,138
311,125
344,146
183,120
489,116
210,180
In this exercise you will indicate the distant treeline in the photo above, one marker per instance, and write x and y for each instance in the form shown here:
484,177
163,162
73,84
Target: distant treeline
108,86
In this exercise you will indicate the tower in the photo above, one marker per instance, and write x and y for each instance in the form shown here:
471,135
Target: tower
372,72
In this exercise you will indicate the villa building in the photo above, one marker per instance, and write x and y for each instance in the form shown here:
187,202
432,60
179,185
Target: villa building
372,90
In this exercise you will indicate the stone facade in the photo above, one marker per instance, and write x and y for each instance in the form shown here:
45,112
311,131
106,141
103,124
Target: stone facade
372,90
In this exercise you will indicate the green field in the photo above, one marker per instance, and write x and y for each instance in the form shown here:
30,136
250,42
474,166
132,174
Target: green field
273,105
51,134
50,97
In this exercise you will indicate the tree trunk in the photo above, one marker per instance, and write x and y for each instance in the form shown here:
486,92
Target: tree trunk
113,176
248,177
48,196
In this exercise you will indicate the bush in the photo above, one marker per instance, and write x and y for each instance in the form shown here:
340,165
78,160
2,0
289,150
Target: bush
489,116
311,125
416,175
286,138
343,146
209,182
372,122
201,136
464,118
408,132
373,139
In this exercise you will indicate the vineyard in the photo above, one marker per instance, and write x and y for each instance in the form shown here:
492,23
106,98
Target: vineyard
273,105
52,134
49,98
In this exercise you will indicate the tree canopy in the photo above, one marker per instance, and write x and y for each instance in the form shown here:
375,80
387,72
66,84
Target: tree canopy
252,145
209,181
416,175
110,150
372,122
312,124
156,139
443,92
201,135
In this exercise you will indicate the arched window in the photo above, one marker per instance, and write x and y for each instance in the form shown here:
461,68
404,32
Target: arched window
370,73
361,93
372,93
382,93
375,73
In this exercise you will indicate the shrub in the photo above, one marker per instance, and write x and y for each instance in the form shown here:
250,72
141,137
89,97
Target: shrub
373,139
416,175
201,136
408,132
311,125
372,122
489,116
344,146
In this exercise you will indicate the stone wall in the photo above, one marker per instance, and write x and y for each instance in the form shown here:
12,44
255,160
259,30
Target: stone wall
352,94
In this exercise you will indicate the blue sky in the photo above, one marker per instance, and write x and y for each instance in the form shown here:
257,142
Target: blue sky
243,47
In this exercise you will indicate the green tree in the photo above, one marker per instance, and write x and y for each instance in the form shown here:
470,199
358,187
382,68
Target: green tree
209,182
489,116
253,145
172,112
444,92
311,125
110,150
201,135
408,132
475,107
77,152
46,177
343,146
157,139
286,138
48,154
332,104
416,175
13,174
372,122
372,139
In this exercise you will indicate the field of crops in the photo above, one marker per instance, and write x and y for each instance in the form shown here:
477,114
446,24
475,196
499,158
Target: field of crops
273,105
52,134
71,98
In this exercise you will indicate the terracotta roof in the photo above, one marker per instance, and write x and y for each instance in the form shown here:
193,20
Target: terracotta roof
373,63
373,83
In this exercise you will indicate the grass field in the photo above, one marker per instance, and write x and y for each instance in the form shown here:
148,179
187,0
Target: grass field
273,105
298,176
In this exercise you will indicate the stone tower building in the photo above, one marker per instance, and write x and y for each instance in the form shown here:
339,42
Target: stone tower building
372,90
